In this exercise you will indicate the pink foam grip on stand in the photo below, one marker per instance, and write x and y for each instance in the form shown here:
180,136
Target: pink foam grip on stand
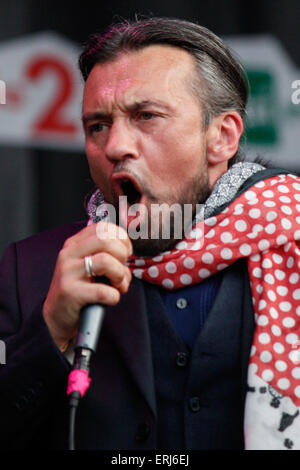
78,381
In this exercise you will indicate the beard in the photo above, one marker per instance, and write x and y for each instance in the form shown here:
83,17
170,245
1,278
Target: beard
166,223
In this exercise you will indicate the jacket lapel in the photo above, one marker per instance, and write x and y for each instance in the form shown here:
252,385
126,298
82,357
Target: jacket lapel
248,326
127,325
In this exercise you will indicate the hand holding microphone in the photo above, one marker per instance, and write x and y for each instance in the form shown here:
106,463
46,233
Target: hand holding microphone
72,287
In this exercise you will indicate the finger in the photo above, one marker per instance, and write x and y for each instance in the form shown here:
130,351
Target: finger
103,264
124,286
103,230
110,231
93,245
93,241
93,293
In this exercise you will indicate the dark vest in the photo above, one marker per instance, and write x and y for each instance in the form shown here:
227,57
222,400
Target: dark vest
200,393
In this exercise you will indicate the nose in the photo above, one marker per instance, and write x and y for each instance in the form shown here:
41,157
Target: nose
121,143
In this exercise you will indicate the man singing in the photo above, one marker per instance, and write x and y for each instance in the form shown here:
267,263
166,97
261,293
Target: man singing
198,348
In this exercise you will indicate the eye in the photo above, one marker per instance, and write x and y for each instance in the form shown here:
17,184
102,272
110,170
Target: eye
96,128
146,115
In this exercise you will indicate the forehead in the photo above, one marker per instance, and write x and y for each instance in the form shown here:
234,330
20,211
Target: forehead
155,69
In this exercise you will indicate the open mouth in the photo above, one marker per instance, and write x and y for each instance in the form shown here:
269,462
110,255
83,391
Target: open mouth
130,191
124,184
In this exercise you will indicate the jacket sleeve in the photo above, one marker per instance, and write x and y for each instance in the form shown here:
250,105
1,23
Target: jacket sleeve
33,371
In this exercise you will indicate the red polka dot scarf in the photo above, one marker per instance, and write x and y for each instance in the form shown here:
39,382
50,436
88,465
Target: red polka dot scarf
262,225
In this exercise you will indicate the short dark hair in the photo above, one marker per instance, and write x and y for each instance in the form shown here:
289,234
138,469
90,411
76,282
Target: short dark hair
221,81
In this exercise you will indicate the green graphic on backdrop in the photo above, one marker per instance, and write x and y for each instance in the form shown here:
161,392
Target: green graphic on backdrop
262,123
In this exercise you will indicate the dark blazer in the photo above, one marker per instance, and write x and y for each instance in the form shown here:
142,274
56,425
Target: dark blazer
119,409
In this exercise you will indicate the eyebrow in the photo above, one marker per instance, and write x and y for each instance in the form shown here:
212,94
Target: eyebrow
134,107
96,116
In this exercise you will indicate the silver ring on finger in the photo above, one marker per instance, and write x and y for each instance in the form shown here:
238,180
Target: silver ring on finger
88,265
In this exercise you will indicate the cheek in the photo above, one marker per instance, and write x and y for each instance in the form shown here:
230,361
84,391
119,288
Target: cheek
98,165
176,154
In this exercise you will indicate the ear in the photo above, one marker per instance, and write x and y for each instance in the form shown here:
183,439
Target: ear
223,136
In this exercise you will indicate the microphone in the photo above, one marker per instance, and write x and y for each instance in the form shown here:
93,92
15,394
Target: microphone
91,319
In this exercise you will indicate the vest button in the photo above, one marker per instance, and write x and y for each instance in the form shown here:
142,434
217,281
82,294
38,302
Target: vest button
22,404
181,303
182,359
143,432
194,404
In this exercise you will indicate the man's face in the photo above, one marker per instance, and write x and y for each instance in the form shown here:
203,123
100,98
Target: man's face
144,133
